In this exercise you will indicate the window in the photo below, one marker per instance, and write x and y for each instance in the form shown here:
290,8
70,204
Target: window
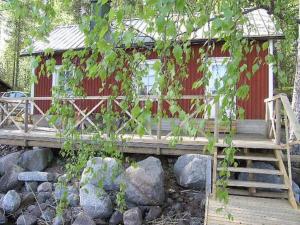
218,70
148,80
60,79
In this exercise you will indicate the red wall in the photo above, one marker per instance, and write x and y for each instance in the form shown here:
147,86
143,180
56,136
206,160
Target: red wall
254,105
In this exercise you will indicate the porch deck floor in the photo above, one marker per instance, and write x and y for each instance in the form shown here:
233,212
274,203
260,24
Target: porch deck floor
148,144
252,211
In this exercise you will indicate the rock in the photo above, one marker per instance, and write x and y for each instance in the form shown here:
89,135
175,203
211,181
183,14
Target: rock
263,177
145,182
48,214
153,213
95,202
31,186
82,218
133,217
296,175
11,201
70,192
116,218
3,219
296,191
26,219
43,197
58,220
45,187
8,161
37,159
194,171
36,176
104,170
10,180
34,210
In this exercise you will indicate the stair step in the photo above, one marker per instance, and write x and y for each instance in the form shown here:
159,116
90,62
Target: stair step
258,193
251,170
258,157
254,184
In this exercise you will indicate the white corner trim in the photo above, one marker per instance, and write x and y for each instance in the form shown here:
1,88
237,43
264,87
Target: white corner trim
271,72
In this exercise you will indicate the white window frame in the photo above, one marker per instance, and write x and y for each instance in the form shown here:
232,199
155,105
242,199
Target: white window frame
149,63
55,77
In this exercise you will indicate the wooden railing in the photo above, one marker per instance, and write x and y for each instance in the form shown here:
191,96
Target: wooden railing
17,112
279,114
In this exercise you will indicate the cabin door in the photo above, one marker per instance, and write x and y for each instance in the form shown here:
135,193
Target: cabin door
218,70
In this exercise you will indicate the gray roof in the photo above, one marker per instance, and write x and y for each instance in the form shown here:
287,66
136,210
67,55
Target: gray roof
259,25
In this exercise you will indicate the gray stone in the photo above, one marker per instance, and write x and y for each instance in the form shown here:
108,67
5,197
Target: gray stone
43,197
58,220
26,219
31,186
36,176
296,175
48,214
101,170
82,218
45,187
11,201
133,217
9,160
194,171
145,182
37,159
3,219
34,210
95,201
153,213
70,193
116,218
296,191
10,180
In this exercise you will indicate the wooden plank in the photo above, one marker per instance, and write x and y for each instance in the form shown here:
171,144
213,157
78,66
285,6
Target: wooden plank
281,166
291,115
265,194
237,183
252,170
258,157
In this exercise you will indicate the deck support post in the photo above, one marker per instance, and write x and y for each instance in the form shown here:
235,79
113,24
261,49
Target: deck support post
278,121
214,175
159,121
252,190
288,149
26,116
216,122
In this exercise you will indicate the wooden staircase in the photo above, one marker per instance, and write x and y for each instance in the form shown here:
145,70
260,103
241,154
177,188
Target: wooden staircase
251,187
246,157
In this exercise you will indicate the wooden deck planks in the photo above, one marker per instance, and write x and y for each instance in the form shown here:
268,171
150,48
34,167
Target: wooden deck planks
252,211
44,137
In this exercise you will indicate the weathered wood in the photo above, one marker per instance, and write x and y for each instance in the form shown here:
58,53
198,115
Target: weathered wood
26,116
287,182
291,116
288,148
278,121
216,122
252,190
251,171
237,183
252,211
214,176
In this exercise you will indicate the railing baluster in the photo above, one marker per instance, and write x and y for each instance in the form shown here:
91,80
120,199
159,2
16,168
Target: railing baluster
216,122
278,121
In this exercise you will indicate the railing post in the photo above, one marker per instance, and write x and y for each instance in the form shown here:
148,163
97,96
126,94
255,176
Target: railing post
288,149
159,120
26,116
216,122
278,121
1,113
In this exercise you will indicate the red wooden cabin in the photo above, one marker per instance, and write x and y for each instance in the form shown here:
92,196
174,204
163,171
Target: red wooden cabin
261,85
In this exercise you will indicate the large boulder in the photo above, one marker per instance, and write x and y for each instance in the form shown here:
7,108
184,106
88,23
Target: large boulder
9,160
133,217
95,201
83,219
10,180
11,201
101,170
145,182
71,194
116,218
37,159
194,171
